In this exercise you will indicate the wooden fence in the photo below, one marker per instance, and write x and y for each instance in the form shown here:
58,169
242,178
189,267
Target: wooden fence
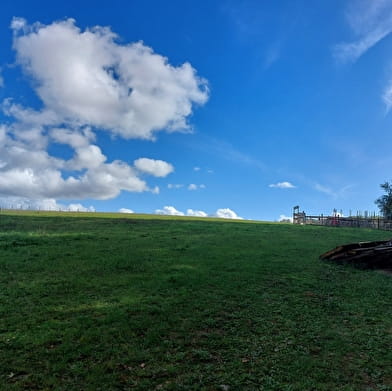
338,221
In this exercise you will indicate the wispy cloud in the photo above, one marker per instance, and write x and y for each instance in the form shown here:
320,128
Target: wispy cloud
193,186
387,95
370,22
246,18
333,193
175,186
227,151
351,51
325,189
272,54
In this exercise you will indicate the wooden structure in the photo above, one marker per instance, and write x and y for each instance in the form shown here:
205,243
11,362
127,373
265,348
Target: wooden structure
375,255
336,220
298,217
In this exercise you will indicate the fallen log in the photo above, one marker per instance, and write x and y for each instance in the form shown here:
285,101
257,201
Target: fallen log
373,255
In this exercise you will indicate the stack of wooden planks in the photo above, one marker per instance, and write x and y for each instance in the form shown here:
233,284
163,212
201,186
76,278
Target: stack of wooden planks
375,255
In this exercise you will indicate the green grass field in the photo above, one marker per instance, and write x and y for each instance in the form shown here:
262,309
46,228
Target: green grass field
114,302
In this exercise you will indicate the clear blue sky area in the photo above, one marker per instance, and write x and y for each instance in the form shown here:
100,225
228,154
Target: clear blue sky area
227,108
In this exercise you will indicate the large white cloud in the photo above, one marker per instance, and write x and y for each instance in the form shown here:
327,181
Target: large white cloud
27,169
86,80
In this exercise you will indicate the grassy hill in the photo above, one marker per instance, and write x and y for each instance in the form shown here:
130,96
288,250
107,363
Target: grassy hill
127,302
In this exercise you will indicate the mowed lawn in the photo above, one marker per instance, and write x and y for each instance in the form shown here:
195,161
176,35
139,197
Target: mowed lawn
115,302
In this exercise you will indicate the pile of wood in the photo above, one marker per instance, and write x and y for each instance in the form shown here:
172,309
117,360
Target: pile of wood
374,255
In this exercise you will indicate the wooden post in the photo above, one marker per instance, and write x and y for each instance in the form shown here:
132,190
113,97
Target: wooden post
295,214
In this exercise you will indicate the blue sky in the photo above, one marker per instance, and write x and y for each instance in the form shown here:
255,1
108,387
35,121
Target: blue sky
227,108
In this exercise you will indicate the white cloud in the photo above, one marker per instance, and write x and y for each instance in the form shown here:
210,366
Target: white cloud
79,208
193,186
157,168
74,138
89,157
169,210
224,213
196,168
18,24
27,169
227,213
155,190
174,186
196,213
370,22
88,78
284,218
282,185
125,210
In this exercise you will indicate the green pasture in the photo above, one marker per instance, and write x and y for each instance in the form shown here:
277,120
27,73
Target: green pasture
127,302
